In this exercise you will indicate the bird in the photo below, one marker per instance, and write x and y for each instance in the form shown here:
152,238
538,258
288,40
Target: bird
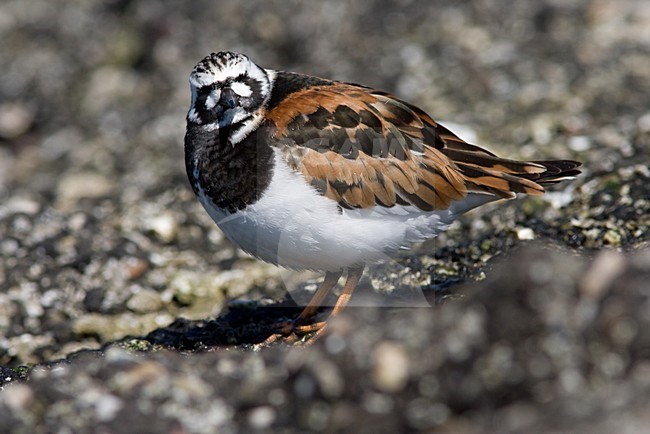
309,173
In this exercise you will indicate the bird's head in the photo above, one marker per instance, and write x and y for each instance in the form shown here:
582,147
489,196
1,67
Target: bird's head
227,89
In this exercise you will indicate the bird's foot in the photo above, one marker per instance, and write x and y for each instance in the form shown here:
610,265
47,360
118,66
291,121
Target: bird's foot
291,331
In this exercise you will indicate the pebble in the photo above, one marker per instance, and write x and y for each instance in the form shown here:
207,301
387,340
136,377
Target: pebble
145,373
83,185
261,417
579,143
644,123
15,120
135,268
606,267
164,226
525,234
18,397
107,406
391,368
145,300
21,204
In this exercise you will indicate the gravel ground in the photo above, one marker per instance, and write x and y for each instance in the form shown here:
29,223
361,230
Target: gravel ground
122,307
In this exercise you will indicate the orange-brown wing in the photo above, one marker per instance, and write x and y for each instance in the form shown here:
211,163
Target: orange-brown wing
363,148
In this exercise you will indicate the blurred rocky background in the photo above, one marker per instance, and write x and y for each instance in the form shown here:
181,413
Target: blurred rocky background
116,289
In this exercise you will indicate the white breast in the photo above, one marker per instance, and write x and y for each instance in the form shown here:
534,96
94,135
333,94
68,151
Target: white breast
295,227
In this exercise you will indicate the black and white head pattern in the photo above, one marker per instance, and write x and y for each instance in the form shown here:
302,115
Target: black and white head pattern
229,91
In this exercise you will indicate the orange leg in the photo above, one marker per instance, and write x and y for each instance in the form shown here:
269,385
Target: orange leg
354,276
330,281
331,278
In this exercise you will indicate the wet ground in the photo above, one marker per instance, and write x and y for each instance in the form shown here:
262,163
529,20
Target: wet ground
123,307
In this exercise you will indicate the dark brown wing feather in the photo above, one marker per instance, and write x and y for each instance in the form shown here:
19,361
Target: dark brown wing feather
363,148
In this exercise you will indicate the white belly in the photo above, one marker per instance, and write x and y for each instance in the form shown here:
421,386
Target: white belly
293,226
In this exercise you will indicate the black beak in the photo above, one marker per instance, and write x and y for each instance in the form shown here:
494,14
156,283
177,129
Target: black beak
228,99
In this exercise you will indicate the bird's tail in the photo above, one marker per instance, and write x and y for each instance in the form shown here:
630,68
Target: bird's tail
487,173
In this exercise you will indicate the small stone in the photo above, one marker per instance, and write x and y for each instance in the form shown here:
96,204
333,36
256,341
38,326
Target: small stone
83,185
135,268
612,237
15,119
9,246
116,353
145,373
164,227
77,221
22,205
145,300
93,299
644,123
18,397
579,143
107,406
525,234
390,372
605,268
261,417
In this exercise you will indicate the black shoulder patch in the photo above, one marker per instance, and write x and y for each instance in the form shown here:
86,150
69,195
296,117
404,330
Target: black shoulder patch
287,83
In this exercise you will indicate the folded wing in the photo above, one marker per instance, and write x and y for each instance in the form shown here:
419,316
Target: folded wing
364,148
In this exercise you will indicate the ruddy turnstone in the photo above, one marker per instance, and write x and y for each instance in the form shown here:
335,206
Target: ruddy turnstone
310,173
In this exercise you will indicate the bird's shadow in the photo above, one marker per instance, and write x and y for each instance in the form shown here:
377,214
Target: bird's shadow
252,322
243,323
